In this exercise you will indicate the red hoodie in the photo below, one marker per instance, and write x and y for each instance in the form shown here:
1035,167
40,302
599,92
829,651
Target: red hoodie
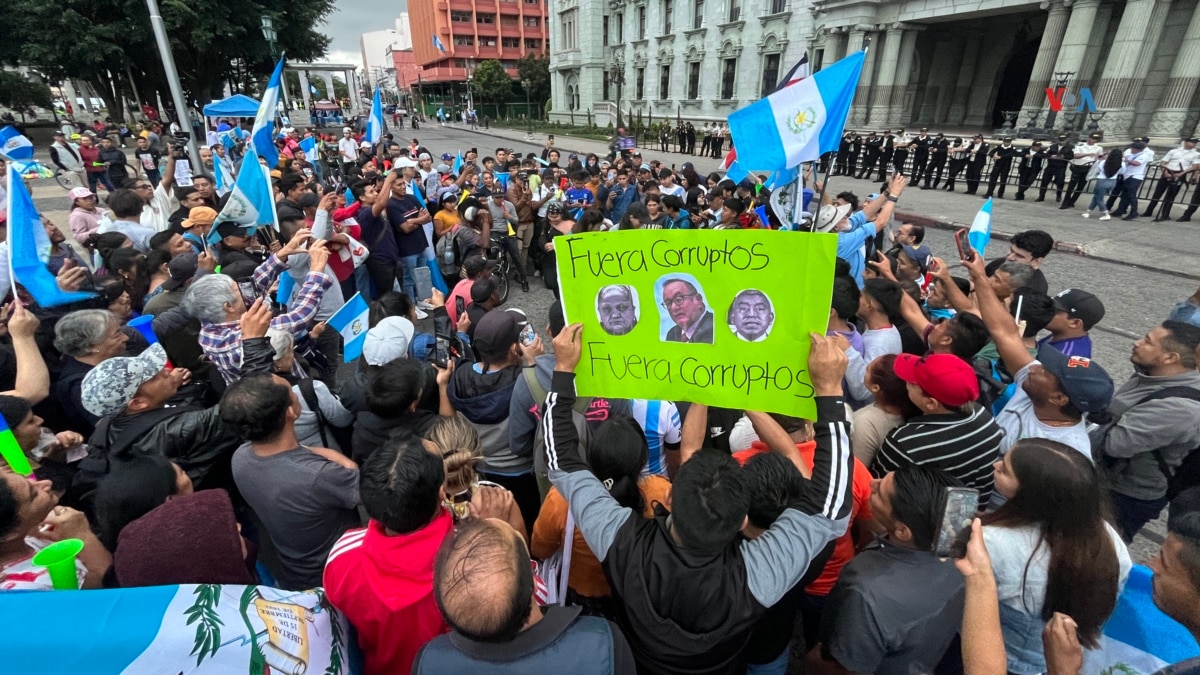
384,586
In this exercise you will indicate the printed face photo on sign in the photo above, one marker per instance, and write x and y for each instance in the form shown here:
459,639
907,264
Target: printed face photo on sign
686,316
751,315
617,308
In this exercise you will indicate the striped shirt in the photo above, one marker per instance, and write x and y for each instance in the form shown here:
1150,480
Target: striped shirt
964,446
660,423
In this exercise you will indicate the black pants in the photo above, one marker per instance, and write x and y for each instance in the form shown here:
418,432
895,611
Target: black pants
899,159
1056,175
935,169
1165,191
1132,514
920,165
524,489
1025,180
383,273
1128,205
1193,204
869,161
885,160
513,247
999,175
705,145
956,167
1076,184
974,173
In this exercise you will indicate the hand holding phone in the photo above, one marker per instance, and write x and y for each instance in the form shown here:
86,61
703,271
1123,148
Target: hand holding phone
959,506
965,252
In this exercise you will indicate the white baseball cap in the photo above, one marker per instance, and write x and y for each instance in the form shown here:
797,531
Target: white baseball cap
388,340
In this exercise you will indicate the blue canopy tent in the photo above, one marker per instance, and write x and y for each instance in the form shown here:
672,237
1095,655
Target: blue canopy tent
237,105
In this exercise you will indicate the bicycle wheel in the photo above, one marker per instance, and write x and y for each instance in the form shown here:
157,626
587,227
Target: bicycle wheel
501,275
64,181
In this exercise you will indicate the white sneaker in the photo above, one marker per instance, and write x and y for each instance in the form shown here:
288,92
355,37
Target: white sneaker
424,304
421,315
1105,217
1087,215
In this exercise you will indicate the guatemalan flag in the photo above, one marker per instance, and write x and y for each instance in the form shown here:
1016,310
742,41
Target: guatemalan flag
14,146
733,170
797,123
375,121
309,146
981,228
263,134
441,47
251,200
29,248
351,322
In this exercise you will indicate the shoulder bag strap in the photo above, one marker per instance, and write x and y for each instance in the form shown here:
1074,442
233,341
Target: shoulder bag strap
568,545
309,391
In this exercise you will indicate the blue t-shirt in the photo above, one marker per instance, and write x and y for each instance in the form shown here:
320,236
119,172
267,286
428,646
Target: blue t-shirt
398,211
377,235
1078,346
580,195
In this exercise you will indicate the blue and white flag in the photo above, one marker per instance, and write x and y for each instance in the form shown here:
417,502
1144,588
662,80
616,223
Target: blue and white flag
798,123
981,228
1138,637
309,146
29,248
251,200
458,162
351,322
263,133
219,175
375,121
312,89
437,42
349,196
14,146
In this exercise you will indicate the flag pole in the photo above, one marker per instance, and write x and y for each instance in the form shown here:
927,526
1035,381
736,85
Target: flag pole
829,169
182,115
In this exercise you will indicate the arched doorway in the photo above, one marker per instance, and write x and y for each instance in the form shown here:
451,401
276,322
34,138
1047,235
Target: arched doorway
1014,78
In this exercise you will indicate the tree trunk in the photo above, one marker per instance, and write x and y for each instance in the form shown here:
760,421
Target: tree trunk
111,101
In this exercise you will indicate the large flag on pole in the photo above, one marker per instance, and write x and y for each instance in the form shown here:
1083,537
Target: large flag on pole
437,42
734,171
797,123
263,134
251,200
797,73
29,248
375,121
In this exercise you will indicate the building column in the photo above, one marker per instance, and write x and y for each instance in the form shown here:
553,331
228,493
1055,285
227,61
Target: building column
908,48
1128,63
1096,45
837,50
1172,113
939,83
886,84
1043,65
1075,42
304,90
972,43
862,96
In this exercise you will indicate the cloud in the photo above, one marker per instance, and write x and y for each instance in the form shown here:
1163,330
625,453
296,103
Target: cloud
349,20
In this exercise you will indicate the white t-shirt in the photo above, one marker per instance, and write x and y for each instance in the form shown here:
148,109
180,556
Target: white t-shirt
348,149
880,341
160,208
660,423
1018,421
676,190
23,575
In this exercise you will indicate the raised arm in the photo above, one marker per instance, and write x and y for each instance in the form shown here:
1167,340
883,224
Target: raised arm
33,377
695,427
1005,332
774,436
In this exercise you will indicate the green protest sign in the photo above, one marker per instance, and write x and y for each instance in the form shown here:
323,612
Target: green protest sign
715,317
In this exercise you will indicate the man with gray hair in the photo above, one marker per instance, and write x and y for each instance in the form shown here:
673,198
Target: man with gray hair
1009,277
219,302
617,309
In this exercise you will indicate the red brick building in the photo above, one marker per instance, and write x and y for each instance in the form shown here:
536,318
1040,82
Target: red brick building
474,31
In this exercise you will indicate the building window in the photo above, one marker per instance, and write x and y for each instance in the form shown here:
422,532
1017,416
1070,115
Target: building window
664,82
693,91
568,30
487,41
604,32
485,18
460,63
778,6
641,19
533,43
460,17
510,43
532,22
532,2
509,21
604,93
464,40
620,21
770,76
728,77
698,14
641,83
735,10
668,12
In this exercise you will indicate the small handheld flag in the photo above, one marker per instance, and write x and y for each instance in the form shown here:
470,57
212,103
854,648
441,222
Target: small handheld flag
251,200
980,233
349,196
375,121
29,247
458,162
351,321
437,43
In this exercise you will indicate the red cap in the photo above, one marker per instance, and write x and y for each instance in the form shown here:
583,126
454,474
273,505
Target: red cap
947,378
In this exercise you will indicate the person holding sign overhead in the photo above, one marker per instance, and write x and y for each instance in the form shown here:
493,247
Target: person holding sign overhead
685,304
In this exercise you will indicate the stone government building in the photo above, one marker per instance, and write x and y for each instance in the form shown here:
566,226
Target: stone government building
951,65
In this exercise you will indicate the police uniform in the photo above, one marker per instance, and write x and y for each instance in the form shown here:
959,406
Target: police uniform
1030,168
959,153
843,152
920,146
939,151
1086,153
885,154
977,154
1057,156
706,143
1002,158
900,154
664,137
856,146
1175,166
871,156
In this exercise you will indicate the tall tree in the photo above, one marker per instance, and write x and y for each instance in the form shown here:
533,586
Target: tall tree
491,83
534,69
21,92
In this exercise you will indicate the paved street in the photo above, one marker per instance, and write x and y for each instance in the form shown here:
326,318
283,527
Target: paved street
1135,299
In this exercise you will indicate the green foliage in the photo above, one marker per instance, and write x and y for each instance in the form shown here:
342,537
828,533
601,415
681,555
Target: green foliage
335,654
534,70
203,613
21,92
491,83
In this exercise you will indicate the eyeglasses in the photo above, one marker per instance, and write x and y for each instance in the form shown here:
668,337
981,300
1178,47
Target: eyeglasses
678,300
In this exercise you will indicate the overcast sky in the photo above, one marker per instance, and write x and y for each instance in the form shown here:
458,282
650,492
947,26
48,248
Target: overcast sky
350,19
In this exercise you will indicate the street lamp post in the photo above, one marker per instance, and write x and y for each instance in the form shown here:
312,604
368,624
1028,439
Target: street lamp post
617,77
528,114
470,94
269,32
168,62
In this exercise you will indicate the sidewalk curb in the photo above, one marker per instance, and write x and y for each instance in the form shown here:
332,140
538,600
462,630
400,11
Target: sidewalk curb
1059,246
560,148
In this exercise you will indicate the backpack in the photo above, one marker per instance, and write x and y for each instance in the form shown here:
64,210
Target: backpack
341,435
1188,473
578,416
449,256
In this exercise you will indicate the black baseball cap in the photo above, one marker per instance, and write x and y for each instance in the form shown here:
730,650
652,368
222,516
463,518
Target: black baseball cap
496,333
1085,383
181,268
475,264
1080,305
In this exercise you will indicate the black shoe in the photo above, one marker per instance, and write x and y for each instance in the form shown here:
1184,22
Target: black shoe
926,187
1064,206
1040,199
1019,198
524,286
1184,219
1132,216
1147,214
